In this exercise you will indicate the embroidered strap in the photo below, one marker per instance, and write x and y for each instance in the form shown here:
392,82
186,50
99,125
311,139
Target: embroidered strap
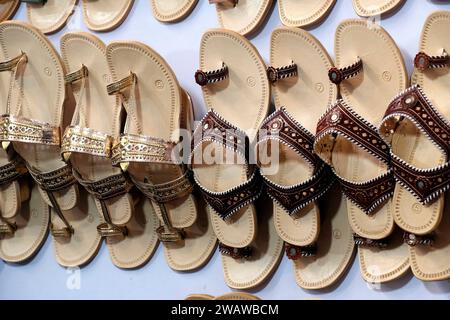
236,253
213,128
414,240
85,140
280,126
141,148
107,188
275,74
166,192
7,228
425,184
296,253
204,78
423,61
12,171
369,243
18,129
340,119
337,75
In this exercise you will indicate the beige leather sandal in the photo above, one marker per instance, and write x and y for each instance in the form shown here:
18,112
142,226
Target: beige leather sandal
172,10
299,66
87,145
104,15
38,103
417,128
304,13
236,91
370,8
8,8
370,72
49,16
243,16
158,110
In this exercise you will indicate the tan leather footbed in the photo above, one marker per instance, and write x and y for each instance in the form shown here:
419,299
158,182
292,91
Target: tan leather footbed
52,16
173,10
368,8
294,13
104,15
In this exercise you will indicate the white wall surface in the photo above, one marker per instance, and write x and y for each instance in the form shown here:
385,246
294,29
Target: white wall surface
43,278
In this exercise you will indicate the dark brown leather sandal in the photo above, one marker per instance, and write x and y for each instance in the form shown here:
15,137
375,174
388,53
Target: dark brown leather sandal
416,126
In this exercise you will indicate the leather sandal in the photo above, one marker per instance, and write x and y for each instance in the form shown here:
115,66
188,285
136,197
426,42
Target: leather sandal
370,8
242,16
87,145
158,109
37,107
172,10
232,296
232,75
8,8
370,71
417,128
294,13
49,16
299,68
104,15
24,216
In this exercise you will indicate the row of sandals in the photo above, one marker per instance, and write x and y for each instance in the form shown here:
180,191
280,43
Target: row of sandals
99,131
242,16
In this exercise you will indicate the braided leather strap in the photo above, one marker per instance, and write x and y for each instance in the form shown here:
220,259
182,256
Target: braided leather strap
296,253
341,120
281,127
203,78
85,140
166,192
425,184
12,171
337,75
213,128
276,74
53,181
17,129
423,61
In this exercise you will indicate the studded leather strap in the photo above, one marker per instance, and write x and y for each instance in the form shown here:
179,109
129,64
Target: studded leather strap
414,240
12,171
341,120
337,75
423,61
141,148
85,140
296,253
425,184
204,78
18,129
213,128
281,127
236,253
275,74
166,192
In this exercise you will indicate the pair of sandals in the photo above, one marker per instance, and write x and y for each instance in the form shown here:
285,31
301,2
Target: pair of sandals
247,16
307,13
392,164
50,16
90,198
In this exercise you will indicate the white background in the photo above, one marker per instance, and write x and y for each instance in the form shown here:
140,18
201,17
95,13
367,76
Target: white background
43,278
